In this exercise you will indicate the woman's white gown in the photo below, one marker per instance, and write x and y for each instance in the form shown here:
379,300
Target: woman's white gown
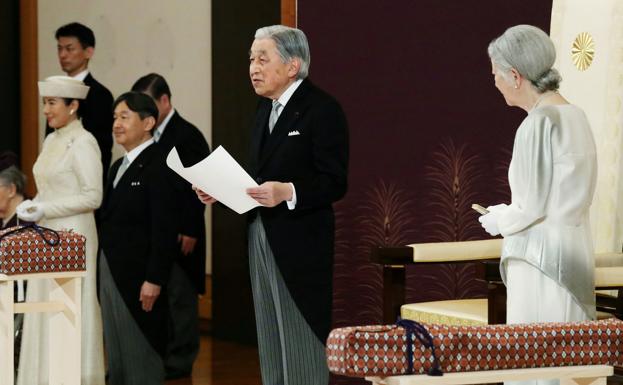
547,258
68,174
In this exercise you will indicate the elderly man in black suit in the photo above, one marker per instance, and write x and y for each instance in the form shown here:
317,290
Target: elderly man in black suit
188,271
300,159
75,47
136,248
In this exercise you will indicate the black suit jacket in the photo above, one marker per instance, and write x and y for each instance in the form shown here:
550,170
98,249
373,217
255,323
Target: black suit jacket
134,235
96,113
192,148
308,147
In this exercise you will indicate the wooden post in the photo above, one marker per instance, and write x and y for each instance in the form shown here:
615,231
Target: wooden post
7,372
288,13
393,260
29,99
65,332
496,293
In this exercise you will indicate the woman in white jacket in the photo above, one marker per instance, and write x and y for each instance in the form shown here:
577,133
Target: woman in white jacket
547,259
68,175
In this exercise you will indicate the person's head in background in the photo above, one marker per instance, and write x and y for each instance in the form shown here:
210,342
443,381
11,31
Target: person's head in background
522,60
156,86
135,115
75,47
8,158
61,99
279,56
12,184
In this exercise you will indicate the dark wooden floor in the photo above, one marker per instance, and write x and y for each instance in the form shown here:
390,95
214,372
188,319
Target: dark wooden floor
224,363
221,362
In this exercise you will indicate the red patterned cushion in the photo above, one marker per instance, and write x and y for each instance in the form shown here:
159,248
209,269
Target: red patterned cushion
381,350
25,251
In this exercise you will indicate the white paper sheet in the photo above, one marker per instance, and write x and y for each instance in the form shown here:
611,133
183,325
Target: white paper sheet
220,176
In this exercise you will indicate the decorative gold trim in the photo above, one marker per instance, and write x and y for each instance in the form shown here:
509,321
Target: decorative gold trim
583,51
434,318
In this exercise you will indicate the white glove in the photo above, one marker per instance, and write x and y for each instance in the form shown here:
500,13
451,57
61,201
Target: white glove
21,208
489,222
29,211
500,207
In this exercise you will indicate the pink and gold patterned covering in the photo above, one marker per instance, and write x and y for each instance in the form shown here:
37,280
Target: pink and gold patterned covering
26,252
381,350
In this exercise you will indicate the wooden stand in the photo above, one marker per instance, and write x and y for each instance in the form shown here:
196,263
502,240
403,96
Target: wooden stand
394,260
569,375
64,323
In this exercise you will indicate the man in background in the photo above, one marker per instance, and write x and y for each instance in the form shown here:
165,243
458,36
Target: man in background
187,278
75,48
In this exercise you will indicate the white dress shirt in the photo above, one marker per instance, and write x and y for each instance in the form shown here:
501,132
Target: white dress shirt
283,100
82,75
136,151
161,127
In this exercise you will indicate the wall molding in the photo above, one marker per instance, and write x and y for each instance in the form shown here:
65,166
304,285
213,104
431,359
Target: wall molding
288,13
29,75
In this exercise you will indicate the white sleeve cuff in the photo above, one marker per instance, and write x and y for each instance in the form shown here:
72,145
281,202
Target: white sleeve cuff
292,203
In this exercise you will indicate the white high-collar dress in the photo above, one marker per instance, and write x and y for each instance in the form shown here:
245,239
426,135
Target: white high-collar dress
68,175
552,177
547,257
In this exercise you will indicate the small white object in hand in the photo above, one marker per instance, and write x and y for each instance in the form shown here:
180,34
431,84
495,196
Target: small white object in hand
29,211
489,222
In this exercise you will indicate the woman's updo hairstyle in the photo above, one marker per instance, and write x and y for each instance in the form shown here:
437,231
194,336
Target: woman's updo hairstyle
531,52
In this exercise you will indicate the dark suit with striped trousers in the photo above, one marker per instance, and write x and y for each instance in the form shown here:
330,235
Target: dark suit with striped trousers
136,246
291,251
187,279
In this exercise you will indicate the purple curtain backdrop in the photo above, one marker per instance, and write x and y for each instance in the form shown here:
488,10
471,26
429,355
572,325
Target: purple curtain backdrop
430,134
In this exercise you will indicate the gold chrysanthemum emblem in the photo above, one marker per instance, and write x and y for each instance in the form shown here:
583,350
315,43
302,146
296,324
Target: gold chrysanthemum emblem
583,51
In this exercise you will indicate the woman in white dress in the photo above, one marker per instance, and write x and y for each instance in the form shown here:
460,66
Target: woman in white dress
68,175
547,259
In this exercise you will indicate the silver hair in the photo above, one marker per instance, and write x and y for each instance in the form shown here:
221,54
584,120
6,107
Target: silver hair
530,52
291,43
13,176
